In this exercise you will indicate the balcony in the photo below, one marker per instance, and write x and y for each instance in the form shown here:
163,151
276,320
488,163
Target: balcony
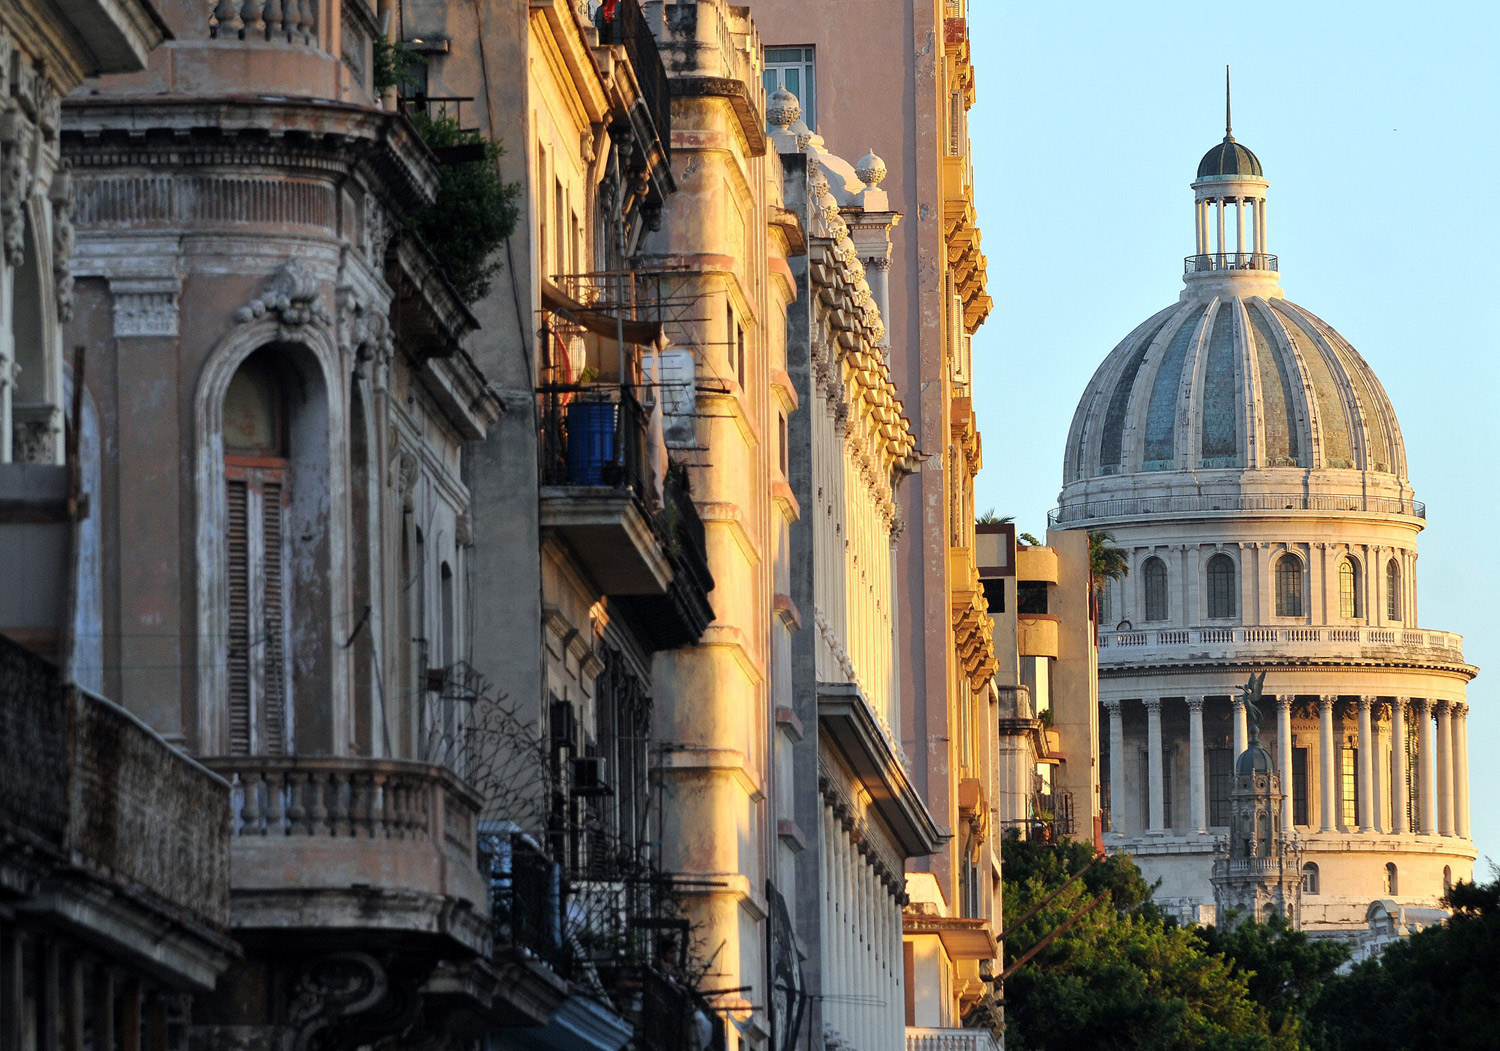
1099,512
920,1039
629,30
1322,645
106,828
1219,261
379,847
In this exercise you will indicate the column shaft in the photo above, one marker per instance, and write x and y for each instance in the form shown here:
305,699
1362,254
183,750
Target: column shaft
1461,770
1195,767
1156,811
1284,758
1444,769
1220,207
1116,767
1241,728
1327,763
1426,769
1366,768
1400,824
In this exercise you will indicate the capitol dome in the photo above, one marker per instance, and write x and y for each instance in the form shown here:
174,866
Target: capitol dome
1222,381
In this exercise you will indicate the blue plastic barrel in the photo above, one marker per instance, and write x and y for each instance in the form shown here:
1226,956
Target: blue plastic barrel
591,441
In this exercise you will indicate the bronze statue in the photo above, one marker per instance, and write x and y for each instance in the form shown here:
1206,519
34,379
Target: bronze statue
1250,695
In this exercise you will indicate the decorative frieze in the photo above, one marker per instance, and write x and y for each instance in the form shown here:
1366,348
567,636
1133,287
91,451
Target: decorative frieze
145,306
145,200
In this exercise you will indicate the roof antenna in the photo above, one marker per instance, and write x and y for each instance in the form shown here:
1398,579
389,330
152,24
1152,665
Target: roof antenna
1228,124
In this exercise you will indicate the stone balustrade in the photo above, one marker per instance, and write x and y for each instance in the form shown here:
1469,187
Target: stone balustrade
276,21
1324,642
83,778
923,1039
327,827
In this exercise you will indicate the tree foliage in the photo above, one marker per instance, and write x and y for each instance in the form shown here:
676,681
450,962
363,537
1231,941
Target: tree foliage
1106,561
1286,971
1123,977
1434,990
474,211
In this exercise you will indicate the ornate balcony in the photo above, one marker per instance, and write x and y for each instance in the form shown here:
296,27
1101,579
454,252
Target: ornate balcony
105,827
378,847
1323,645
1100,512
1212,261
922,1039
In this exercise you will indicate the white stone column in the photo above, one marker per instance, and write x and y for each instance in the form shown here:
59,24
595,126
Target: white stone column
1284,758
1116,767
1260,218
1444,769
1426,768
1156,821
1196,777
1327,762
1381,764
1241,728
1366,768
1399,798
1239,234
1461,770
1220,209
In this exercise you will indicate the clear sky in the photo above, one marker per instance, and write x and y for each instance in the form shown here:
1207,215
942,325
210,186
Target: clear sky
1376,126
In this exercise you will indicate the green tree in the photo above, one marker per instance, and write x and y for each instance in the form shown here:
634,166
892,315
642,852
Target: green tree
1106,563
1122,978
1285,969
474,211
1434,990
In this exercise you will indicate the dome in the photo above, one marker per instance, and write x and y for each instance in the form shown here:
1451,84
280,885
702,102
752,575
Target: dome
1230,158
1253,760
1233,382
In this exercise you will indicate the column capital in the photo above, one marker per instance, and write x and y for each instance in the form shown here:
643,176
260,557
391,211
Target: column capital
1284,700
1237,699
1422,704
1366,702
1460,709
1326,702
1195,702
1111,705
1442,706
1153,705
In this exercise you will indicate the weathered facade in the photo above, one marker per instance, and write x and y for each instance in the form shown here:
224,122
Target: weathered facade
905,92
282,394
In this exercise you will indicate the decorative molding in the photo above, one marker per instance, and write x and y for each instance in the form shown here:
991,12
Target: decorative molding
291,294
145,306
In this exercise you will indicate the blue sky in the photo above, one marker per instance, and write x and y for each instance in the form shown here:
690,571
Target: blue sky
1375,123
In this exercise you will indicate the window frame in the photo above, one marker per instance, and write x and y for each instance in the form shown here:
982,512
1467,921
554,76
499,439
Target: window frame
1392,590
1214,573
1350,607
773,76
1156,604
1289,602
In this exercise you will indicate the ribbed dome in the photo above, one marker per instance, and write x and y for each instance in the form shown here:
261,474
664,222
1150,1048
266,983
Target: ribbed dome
1230,158
1253,760
1224,382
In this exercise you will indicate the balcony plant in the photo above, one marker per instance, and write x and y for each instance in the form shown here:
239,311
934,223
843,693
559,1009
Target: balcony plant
474,212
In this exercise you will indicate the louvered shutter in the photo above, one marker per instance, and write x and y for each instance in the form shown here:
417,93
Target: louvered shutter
258,700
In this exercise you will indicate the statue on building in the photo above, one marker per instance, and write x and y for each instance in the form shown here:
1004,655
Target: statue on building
1259,871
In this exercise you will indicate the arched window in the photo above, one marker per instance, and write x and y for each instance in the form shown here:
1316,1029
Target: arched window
1221,598
1106,603
1391,886
255,478
1392,591
1447,878
1349,604
1310,878
1154,575
1289,586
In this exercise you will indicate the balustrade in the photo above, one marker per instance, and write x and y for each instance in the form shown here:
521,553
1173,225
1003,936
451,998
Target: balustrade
1428,645
922,1039
277,21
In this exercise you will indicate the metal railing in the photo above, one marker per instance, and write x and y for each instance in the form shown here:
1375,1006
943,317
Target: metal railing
1141,506
628,28
1203,264
593,436
1440,645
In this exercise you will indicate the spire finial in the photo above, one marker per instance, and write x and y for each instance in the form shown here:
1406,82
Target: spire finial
1228,124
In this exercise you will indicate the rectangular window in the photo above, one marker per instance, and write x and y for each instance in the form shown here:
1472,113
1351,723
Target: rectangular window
541,209
1220,776
1349,789
1299,786
783,448
793,68
739,357
560,260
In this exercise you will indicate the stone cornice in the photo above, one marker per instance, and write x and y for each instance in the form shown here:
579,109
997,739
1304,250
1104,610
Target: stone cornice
747,115
297,136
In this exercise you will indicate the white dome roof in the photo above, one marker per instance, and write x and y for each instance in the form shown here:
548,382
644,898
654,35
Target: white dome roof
1225,383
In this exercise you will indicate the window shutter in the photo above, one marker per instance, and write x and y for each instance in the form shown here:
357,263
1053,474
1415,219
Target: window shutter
274,635
239,618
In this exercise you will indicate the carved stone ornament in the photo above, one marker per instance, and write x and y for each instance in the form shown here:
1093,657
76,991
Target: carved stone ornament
463,531
782,109
62,244
870,170
347,1000
16,134
291,294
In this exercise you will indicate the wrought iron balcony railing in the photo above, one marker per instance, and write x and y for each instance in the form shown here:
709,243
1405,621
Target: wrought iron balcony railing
627,27
1208,263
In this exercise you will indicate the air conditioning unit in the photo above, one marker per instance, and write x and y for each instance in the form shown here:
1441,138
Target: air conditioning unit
589,776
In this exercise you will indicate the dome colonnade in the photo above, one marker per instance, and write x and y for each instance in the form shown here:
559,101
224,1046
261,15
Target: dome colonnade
1249,462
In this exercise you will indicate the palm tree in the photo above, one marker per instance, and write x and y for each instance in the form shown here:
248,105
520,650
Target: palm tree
1106,562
